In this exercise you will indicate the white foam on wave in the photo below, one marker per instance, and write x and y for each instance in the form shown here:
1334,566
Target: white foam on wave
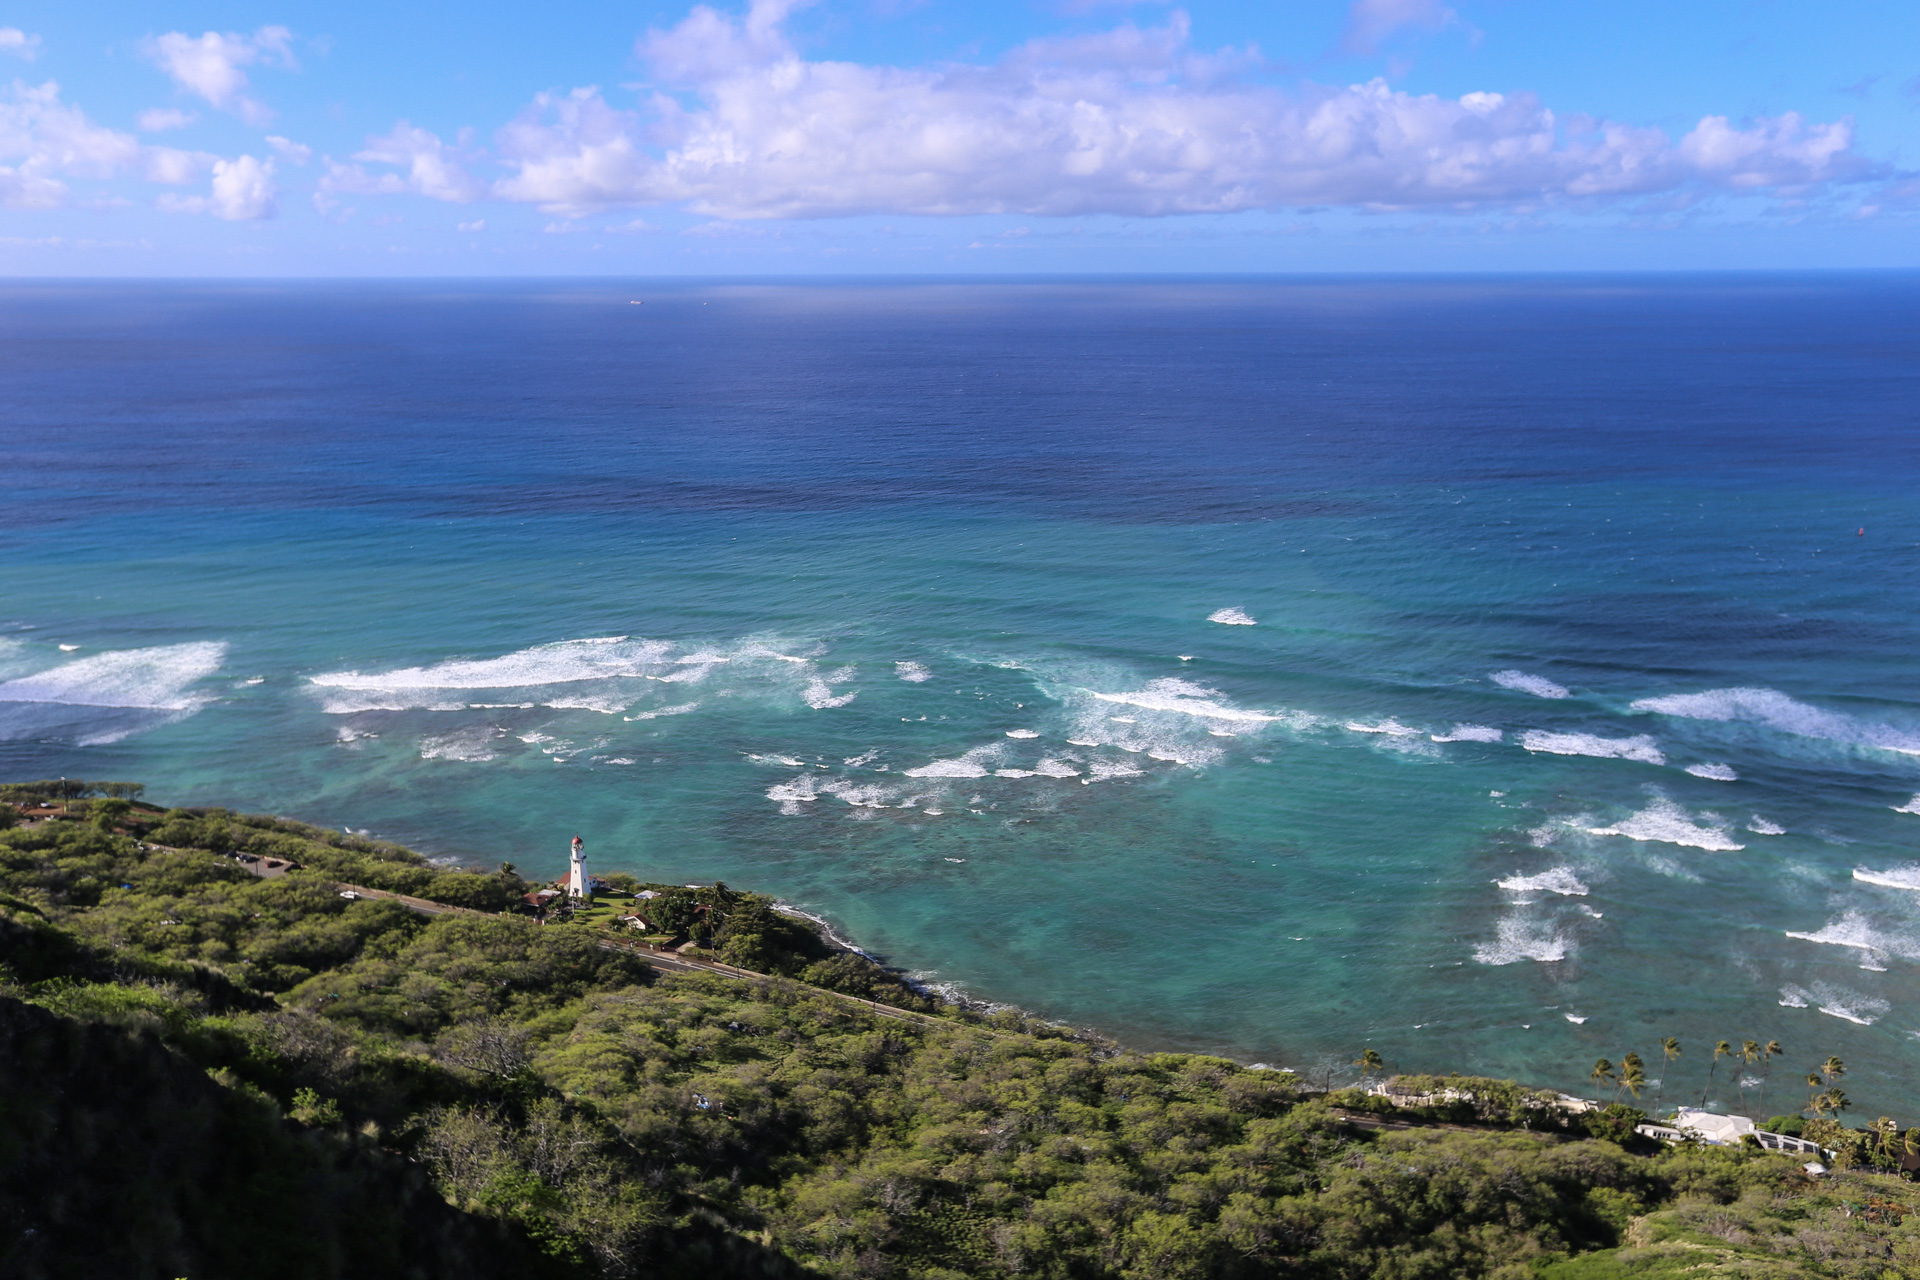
657,712
1014,773
152,679
1560,880
471,746
1022,733
1716,772
912,672
1521,682
1775,710
1761,827
605,706
970,765
791,795
861,795
820,696
1106,770
1231,618
1836,1002
1184,697
1391,727
1575,1018
1640,747
1854,930
1517,939
1469,733
1668,823
562,662
1907,877
1051,768
1911,806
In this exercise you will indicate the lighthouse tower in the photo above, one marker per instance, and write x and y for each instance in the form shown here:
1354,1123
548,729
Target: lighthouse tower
577,878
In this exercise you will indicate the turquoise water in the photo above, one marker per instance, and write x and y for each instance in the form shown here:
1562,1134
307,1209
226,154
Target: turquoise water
1552,680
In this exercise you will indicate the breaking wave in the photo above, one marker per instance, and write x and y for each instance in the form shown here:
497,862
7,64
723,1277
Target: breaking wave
1469,733
1560,880
1640,747
1231,618
1835,1002
1855,930
1907,877
1516,939
155,679
1538,686
1775,710
1668,823
1716,772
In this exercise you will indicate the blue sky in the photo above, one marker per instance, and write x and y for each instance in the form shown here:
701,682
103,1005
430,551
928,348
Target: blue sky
923,136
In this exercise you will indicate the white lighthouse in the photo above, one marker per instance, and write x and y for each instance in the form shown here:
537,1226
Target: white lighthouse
577,878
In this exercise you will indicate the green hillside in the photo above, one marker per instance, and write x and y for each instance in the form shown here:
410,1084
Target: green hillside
209,1073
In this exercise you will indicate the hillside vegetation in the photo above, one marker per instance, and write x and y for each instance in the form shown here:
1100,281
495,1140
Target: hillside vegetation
213,1074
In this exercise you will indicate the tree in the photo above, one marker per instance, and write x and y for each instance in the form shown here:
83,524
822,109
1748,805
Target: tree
1723,1049
1813,1087
1633,1076
1770,1051
1833,1069
1670,1047
1602,1073
1749,1054
1368,1062
1835,1101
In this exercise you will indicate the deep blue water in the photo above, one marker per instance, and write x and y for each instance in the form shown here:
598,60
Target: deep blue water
912,584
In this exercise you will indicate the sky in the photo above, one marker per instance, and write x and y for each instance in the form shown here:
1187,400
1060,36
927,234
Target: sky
849,137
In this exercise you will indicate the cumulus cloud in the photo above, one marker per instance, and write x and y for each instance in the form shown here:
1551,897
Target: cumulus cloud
1130,122
1370,22
18,43
160,119
209,65
430,167
298,152
43,140
242,190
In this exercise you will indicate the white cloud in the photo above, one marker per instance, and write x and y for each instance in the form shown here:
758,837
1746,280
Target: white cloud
1370,22
43,139
165,164
243,190
160,119
209,65
1128,122
298,152
18,43
478,224
433,168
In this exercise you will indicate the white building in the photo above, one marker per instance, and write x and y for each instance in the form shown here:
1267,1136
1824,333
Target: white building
1719,1130
577,883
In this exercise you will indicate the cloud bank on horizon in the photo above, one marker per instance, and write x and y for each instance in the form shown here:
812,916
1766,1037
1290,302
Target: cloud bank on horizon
736,122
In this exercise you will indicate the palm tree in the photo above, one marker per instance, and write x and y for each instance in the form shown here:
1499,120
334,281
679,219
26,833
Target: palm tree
1670,1047
1813,1086
1723,1049
1368,1062
1833,1069
1770,1051
1835,1101
1602,1072
1634,1076
1749,1054
1886,1134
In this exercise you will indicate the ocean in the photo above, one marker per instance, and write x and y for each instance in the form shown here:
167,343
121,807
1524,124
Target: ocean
1498,673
